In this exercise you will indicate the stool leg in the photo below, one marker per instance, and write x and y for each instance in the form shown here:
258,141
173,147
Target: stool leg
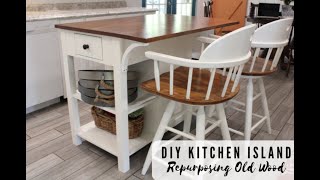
248,120
201,124
200,136
210,110
159,134
264,103
224,124
187,119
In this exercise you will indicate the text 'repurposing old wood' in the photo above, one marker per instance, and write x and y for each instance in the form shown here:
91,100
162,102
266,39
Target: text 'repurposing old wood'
148,28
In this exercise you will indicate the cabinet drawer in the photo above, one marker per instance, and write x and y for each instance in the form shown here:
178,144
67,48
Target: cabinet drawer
88,46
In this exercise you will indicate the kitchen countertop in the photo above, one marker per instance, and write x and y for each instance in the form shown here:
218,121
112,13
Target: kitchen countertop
59,14
148,28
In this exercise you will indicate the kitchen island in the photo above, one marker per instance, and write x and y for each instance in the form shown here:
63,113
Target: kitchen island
121,44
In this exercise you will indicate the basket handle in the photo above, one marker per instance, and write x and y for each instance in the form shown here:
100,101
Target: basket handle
104,100
103,95
105,85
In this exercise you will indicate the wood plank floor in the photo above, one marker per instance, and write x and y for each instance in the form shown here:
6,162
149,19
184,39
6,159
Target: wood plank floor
51,154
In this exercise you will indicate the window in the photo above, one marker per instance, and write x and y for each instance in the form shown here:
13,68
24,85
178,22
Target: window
183,7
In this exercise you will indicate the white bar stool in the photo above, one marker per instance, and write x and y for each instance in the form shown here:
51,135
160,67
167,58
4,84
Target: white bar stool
200,83
271,36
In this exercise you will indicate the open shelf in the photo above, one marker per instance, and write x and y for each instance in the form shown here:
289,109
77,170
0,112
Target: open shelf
140,102
108,141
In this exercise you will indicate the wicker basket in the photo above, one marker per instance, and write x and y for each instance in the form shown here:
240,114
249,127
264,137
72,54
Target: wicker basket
107,121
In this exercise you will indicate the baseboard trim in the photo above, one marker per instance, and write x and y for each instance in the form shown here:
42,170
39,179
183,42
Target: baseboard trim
42,105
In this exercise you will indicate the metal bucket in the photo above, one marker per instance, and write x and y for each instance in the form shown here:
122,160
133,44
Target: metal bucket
106,74
103,103
92,84
91,92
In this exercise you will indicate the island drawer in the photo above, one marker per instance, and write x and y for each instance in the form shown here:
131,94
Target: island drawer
88,46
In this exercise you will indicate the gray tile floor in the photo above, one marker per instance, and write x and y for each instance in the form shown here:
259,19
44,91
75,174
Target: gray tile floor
51,155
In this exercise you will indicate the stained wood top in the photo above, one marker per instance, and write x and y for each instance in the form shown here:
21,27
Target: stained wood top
257,68
148,28
199,86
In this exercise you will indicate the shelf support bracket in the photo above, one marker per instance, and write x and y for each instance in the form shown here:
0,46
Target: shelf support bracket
125,57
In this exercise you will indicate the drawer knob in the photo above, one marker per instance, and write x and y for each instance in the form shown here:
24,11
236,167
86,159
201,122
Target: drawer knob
85,46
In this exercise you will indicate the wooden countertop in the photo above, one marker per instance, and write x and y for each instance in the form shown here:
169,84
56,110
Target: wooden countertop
148,28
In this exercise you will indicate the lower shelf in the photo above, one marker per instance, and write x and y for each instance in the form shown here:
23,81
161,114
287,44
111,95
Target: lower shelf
108,141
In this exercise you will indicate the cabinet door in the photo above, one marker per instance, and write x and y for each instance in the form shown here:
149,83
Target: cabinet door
43,68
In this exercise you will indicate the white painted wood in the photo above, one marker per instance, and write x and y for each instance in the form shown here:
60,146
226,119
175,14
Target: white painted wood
160,132
125,56
237,80
235,72
121,105
256,96
267,59
214,124
185,135
171,78
61,56
94,43
224,71
265,104
222,61
276,58
223,124
236,132
226,84
187,119
107,141
210,110
68,64
200,126
227,47
256,53
271,36
237,102
43,68
189,83
179,46
248,120
157,75
214,36
258,123
210,86
110,45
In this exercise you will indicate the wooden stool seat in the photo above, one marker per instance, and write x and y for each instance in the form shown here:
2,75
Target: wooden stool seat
258,65
200,81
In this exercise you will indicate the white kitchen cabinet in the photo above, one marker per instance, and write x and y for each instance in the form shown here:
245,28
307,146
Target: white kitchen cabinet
43,68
